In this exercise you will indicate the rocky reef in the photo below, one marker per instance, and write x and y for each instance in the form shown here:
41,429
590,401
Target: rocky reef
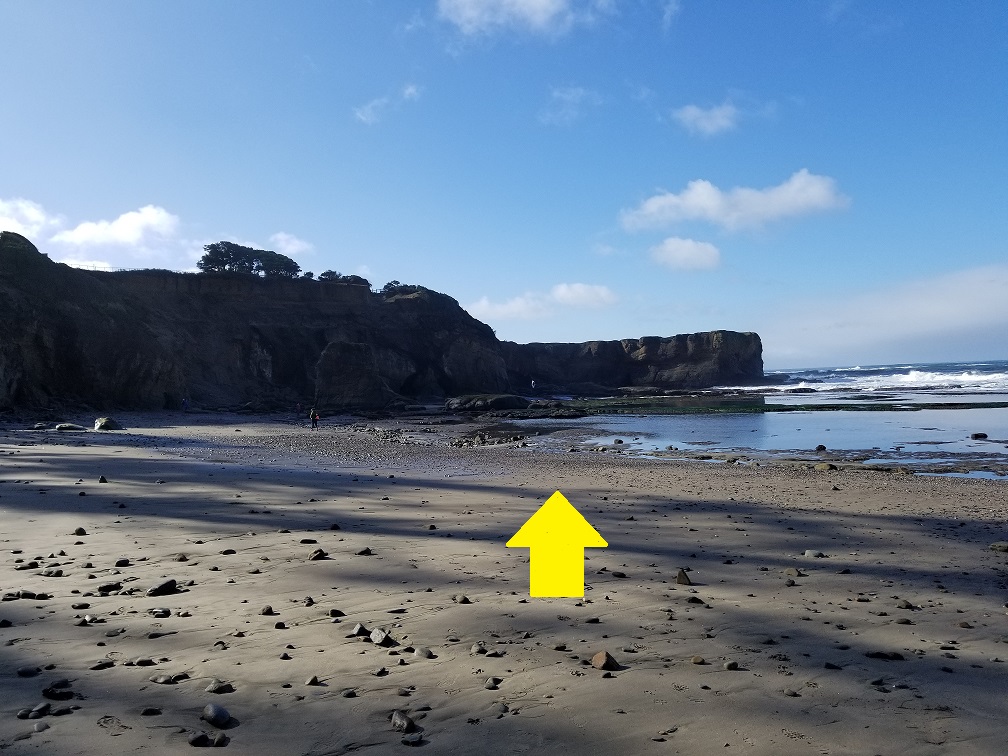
149,339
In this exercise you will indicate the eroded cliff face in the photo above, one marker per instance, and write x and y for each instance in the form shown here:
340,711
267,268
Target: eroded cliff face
148,339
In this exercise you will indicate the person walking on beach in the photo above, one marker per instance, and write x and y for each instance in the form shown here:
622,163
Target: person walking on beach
314,418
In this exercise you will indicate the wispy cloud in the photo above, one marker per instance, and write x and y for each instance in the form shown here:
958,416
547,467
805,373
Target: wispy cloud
707,121
482,16
686,254
371,112
374,111
670,9
802,194
534,305
547,17
567,104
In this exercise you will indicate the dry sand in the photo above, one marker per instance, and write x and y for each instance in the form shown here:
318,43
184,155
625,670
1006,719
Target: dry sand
769,651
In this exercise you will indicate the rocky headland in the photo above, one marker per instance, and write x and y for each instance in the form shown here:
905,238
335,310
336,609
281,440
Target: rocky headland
150,339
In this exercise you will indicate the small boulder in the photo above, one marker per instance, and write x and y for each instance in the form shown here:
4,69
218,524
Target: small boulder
401,722
604,660
106,424
163,588
215,715
682,578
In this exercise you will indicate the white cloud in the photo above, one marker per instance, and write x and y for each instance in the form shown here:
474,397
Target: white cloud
411,92
526,307
803,193
686,254
533,305
707,121
27,218
371,112
135,227
567,104
582,295
290,245
482,16
959,315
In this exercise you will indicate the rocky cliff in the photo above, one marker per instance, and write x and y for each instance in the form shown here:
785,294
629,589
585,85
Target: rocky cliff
148,339
696,360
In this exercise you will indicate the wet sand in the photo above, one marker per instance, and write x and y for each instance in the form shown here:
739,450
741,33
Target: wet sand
890,642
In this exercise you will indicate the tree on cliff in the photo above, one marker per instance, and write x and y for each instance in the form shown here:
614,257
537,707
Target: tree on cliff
228,257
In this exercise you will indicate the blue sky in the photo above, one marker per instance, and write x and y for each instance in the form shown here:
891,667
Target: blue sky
832,175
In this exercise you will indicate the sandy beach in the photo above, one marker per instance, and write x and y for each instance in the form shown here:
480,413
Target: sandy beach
222,579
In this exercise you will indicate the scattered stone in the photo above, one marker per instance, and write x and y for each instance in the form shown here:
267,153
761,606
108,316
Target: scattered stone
492,683
150,711
825,466
366,551
618,574
219,687
904,604
831,665
348,693
814,554
317,554
413,739
794,572
199,739
381,638
885,655
978,436
80,532
423,653
460,599
791,692
28,671
266,611
106,424
1000,546
401,722
313,680
731,665
697,660
164,588
478,648
603,660
359,630
682,578
215,715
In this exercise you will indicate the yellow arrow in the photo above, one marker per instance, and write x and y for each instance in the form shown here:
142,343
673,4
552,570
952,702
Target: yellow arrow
556,536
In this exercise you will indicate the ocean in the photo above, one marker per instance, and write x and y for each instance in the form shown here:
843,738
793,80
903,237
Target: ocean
924,417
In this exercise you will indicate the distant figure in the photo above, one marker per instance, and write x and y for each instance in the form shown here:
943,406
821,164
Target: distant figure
533,384
314,418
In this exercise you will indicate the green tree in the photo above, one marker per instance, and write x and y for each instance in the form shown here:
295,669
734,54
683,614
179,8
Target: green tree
227,257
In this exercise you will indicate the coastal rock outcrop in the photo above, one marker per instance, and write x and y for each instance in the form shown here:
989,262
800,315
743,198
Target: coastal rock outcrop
696,360
148,339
